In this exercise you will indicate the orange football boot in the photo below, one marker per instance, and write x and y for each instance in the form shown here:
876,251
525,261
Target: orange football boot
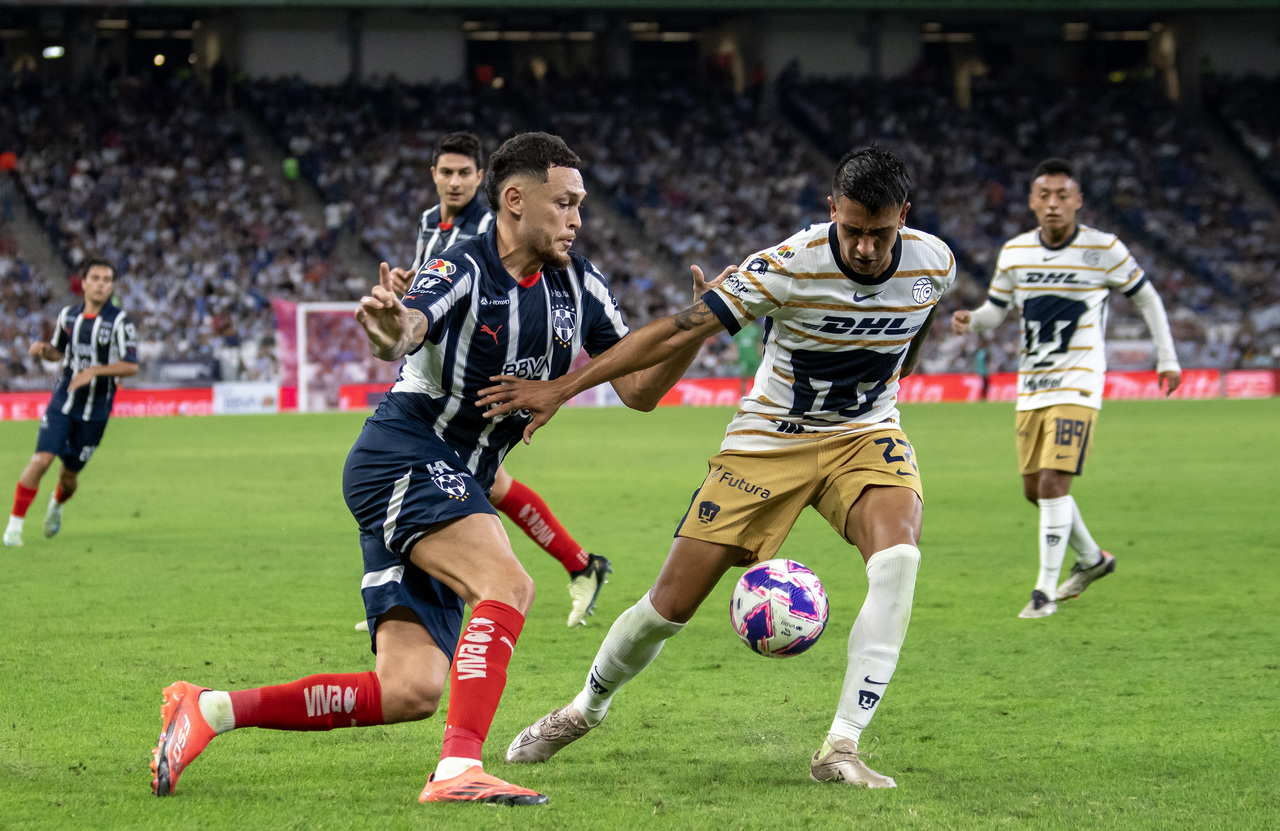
474,785
184,734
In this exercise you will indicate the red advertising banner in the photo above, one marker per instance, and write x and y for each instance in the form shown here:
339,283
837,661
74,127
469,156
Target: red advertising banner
23,406
1251,383
1196,383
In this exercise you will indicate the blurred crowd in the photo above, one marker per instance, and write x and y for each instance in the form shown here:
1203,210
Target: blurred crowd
156,177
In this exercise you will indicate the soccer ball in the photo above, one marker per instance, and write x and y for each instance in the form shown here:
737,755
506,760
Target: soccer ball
778,608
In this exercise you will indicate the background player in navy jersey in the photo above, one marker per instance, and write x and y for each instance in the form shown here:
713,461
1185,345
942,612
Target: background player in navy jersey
97,343
457,168
1060,275
849,304
513,301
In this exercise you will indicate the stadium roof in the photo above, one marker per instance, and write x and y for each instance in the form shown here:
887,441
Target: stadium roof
1025,6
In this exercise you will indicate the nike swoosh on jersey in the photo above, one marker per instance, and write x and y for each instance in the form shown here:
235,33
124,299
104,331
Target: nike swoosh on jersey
858,298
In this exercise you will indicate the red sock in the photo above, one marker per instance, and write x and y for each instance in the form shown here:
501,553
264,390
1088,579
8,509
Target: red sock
61,495
531,513
22,499
317,702
478,676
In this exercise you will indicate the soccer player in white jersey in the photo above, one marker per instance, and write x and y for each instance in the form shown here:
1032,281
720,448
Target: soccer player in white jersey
847,306
1059,275
457,169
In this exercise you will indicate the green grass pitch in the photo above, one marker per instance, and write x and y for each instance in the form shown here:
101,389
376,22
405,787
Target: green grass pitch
219,551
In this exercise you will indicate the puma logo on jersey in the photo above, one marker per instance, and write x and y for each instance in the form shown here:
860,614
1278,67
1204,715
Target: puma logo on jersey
833,325
485,328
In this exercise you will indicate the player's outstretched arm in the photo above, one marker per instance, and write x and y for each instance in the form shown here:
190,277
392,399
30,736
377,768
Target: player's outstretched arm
658,342
644,389
393,330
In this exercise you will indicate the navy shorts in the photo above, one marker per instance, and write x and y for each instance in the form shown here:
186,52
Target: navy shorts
70,439
399,484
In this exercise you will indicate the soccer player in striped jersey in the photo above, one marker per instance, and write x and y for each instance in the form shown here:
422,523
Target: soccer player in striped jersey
847,305
516,300
1059,276
457,168
97,344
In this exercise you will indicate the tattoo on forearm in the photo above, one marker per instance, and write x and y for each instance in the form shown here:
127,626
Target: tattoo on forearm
692,317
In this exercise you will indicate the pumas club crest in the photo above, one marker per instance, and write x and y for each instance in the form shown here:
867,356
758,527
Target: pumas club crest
922,290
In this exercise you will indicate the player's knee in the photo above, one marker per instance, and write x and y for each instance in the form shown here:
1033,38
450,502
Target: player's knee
409,698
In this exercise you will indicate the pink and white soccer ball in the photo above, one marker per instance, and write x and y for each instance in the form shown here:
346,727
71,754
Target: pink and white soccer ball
778,608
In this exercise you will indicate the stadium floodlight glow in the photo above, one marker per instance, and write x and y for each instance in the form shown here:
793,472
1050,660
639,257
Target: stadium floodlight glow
158,60
52,52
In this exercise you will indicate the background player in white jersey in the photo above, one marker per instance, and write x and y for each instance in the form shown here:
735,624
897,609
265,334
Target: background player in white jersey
1059,275
97,344
457,169
848,305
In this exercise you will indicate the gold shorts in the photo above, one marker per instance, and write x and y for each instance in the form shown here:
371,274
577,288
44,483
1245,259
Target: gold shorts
1055,438
751,499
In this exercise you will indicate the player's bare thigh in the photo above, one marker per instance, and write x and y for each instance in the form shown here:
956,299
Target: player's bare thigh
884,516
501,484
691,571
412,670
473,556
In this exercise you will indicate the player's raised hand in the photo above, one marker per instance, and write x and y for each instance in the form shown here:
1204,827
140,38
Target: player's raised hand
382,315
400,280
1170,380
701,285
509,394
960,322
36,349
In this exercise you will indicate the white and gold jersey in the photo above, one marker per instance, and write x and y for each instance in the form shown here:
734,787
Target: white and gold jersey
1062,294
835,341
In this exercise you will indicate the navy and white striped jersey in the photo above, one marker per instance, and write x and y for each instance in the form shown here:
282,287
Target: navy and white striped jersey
482,322
91,340
433,237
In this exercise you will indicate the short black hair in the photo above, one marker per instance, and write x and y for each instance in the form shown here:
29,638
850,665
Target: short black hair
1054,166
526,154
874,176
98,262
462,143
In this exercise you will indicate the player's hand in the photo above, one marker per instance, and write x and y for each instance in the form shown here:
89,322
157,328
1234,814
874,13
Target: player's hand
509,394
1170,379
36,349
382,314
80,379
701,285
960,322
400,280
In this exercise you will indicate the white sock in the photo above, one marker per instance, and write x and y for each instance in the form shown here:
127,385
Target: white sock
1088,553
15,523
634,640
876,639
451,766
215,706
1055,529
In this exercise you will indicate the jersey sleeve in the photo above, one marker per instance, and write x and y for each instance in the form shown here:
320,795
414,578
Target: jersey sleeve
757,290
1000,292
439,287
603,322
1123,271
61,337
125,340
420,247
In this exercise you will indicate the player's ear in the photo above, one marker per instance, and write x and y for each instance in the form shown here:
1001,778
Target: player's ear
902,218
480,175
832,203
513,199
